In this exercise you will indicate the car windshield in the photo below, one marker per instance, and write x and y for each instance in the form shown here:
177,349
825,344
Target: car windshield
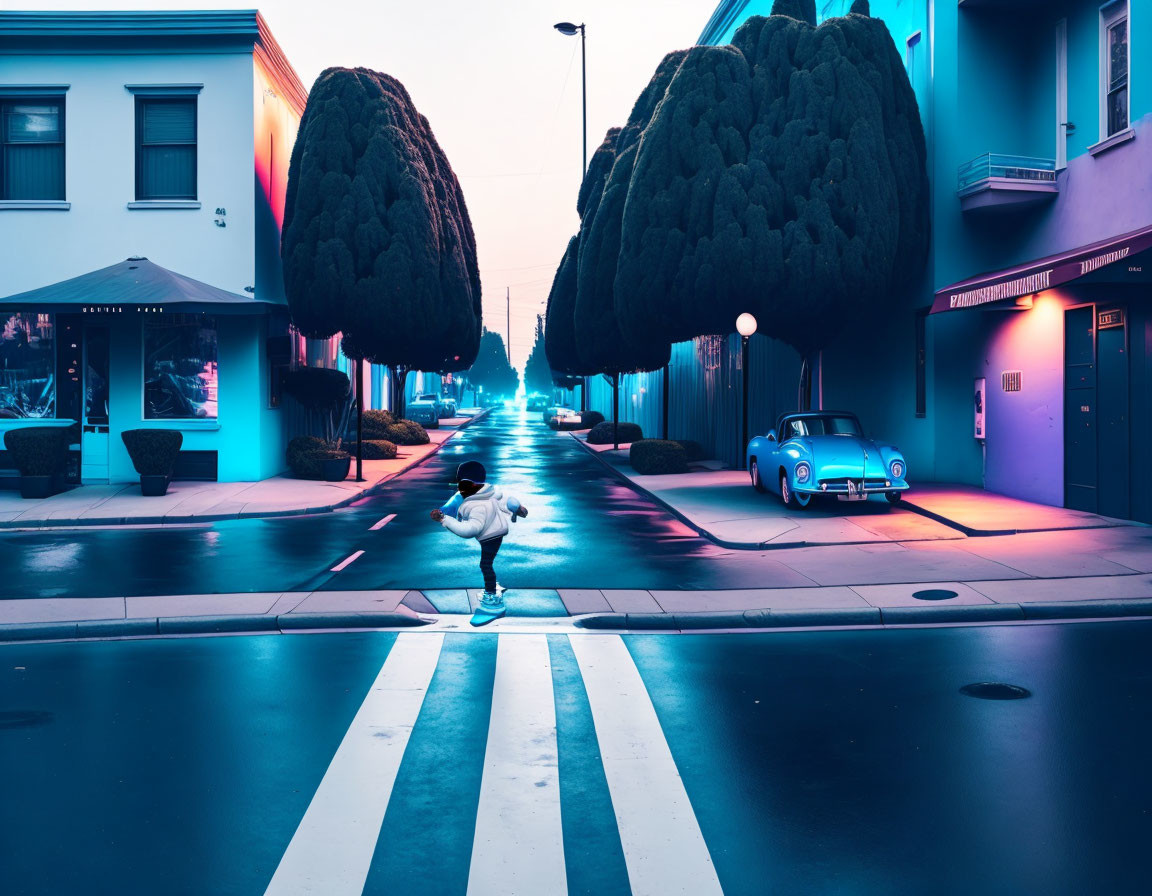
830,425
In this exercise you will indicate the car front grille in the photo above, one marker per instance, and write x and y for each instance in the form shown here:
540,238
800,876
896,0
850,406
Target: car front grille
841,484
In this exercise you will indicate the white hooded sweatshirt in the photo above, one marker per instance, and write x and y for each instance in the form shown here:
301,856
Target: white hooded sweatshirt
483,515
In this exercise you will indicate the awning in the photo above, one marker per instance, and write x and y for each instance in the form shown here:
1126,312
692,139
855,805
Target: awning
1036,276
135,285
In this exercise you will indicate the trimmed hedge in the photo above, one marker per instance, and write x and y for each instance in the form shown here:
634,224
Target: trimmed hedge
374,423
592,418
693,451
404,432
374,449
38,450
654,456
153,451
601,433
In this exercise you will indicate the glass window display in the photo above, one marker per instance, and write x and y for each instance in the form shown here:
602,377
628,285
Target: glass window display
27,365
180,367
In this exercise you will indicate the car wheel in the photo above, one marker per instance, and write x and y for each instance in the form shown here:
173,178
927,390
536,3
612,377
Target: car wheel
757,482
789,497
893,497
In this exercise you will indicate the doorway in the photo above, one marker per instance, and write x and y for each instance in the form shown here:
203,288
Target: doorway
94,422
1097,436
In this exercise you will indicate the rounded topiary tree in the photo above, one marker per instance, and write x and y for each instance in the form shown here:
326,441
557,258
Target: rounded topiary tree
377,243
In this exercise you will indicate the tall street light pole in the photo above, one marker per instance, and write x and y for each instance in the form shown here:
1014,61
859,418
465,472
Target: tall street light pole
745,326
569,29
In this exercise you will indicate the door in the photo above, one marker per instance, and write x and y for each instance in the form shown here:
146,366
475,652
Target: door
1080,409
1113,440
94,423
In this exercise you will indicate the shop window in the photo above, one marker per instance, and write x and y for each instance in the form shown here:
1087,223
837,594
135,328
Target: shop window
27,366
32,149
180,367
1114,67
165,149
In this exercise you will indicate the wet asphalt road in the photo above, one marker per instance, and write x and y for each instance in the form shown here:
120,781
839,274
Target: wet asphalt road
586,529
814,762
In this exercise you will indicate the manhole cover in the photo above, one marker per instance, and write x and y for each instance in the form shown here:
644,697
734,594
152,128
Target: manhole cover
24,718
994,690
934,594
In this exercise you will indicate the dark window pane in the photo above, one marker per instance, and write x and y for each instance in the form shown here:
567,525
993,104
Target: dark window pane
1118,54
180,368
33,172
27,365
28,123
168,172
169,122
1117,111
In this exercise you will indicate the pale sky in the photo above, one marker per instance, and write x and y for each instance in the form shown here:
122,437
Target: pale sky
501,89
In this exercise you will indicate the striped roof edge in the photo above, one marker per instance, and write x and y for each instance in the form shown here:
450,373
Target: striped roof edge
726,13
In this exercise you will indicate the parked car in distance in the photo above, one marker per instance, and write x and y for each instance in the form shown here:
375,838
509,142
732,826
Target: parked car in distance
424,410
437,401
824,453
557,411
538,401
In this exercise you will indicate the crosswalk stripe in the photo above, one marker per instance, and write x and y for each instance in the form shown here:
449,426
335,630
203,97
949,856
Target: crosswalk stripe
331,851
663,847
519,842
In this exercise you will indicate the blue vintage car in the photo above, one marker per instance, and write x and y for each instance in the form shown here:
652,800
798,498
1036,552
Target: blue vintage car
824,453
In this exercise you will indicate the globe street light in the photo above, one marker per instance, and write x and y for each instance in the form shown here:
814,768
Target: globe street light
569,29
745,326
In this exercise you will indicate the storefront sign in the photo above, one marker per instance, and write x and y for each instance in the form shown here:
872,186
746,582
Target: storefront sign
1113,317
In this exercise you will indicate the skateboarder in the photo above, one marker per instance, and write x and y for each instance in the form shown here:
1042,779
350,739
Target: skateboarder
483,513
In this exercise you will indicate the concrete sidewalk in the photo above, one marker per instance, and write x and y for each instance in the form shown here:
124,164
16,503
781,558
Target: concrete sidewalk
196,502
722,506
927,603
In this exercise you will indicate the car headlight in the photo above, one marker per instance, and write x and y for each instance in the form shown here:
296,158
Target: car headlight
897,470
803,472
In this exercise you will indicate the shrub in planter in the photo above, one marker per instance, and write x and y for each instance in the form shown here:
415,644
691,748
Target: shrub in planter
693,451
326,393
601,433
304,456
375,449
40,453
653,456
592,418
153,453
334,463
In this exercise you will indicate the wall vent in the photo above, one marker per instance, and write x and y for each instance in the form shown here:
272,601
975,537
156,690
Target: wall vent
1010,380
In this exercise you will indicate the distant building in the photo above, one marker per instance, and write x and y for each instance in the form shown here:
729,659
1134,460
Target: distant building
143,164
1034,322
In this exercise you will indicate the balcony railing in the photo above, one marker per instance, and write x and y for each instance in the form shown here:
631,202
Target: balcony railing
993,180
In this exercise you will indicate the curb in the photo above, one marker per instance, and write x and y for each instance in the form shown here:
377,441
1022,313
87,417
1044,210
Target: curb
219,517
703,533
973,532
203,625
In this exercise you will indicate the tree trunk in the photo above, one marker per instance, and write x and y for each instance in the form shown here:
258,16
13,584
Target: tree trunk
616,412
664,399
804,392
583,394
359,419
399,379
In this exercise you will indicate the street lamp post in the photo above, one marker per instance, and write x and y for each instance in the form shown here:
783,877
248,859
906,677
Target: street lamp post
745,326
569,29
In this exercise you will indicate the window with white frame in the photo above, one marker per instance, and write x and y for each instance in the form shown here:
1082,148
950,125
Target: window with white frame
1114,68
32,149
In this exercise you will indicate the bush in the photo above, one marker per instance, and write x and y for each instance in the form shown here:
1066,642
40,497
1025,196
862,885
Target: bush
38,450
374,449
653,456
592,418
601,433
693,451
304,454
153,451
375,423
405,432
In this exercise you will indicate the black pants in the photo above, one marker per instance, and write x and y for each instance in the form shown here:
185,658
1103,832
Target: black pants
488,549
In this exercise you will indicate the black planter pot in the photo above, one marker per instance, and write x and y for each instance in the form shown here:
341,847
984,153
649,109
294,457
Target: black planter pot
37,486
154,485
335,469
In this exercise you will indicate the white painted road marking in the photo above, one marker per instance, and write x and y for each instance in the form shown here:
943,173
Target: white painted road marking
347,561
384,522
663,847
332,849
518,848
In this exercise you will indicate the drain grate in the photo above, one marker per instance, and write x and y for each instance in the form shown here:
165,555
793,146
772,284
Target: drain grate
24,718
934,594
995,690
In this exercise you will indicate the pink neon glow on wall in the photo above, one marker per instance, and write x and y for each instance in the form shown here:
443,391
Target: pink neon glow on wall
1025,441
